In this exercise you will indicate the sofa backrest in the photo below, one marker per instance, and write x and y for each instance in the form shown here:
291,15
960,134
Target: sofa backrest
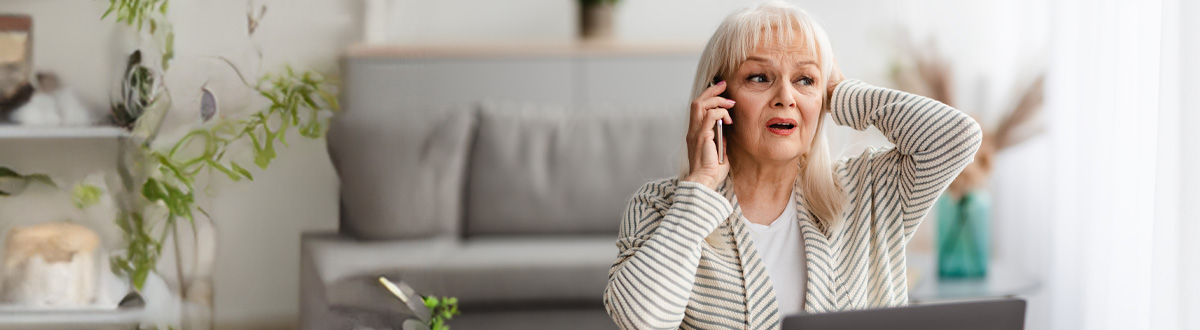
402,175
412,126
537,169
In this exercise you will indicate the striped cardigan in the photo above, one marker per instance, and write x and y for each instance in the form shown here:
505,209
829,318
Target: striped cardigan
687,261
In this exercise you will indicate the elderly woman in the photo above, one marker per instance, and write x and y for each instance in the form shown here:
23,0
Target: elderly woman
777,228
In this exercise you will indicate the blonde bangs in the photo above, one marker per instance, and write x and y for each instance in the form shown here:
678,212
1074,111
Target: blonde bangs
740,35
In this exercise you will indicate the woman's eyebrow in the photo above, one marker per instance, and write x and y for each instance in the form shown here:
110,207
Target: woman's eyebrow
758,59
769,62
807,62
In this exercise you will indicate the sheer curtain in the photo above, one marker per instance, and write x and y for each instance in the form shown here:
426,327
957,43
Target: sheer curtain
1189,113
1123,227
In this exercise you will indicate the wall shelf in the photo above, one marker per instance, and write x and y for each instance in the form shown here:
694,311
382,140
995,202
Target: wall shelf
84,318
31,132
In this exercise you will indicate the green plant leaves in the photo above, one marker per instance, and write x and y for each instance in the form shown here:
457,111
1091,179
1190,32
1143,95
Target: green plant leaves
442,310
168,50
6,172
238,168
264,155
135,13
142,250
296,100
85,195
178,202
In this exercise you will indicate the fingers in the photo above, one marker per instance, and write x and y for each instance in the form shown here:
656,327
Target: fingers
707,110
713,115
715,89
704,131
701,105
703,151
709,93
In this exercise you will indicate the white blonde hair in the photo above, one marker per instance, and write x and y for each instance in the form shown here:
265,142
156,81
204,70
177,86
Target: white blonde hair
732,43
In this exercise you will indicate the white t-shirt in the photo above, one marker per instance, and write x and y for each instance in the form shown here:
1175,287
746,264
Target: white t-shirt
781,247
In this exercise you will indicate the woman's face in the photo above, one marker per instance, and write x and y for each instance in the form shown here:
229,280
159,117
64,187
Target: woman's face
778,91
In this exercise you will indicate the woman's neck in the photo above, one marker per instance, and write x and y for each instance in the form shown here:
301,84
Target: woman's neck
763,189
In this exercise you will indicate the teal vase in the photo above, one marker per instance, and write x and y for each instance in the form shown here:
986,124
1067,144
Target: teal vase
962,234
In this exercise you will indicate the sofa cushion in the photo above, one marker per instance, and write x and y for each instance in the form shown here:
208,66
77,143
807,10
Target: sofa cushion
401,171
483,271
555,170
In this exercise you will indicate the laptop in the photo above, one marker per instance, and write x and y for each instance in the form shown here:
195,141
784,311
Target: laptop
1004,314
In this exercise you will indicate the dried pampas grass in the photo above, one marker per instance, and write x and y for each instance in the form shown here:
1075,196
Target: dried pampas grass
923,71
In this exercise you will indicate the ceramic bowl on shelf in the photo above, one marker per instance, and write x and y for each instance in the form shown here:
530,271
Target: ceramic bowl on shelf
50,264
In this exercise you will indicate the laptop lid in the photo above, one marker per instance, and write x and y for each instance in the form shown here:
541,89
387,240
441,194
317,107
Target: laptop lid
1005,314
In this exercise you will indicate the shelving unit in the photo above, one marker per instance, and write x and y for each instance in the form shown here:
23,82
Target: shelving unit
27,318
66,153
28,132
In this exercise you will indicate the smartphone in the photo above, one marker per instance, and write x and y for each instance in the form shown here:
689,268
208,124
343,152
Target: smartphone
720,141
719,128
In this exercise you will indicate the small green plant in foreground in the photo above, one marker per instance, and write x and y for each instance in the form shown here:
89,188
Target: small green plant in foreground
442,309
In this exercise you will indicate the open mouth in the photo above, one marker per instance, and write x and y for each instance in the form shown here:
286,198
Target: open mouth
781,126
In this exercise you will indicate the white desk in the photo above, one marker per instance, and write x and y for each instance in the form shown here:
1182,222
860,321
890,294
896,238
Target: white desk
1002,280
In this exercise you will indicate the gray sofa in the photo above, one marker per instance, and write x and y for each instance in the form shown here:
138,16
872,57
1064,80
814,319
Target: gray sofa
506,194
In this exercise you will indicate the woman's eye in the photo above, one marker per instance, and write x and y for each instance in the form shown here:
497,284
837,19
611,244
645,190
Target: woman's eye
806,81
757,78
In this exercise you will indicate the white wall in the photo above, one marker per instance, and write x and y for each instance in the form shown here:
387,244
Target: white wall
260,222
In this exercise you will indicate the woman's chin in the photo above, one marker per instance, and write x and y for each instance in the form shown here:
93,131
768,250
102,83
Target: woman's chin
783,155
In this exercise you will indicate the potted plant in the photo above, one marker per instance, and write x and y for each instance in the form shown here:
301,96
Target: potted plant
596,19
160,216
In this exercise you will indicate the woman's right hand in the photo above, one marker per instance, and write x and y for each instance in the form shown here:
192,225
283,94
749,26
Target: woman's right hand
702,151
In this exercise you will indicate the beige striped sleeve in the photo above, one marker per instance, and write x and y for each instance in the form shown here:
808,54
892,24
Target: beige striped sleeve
934,142
660,239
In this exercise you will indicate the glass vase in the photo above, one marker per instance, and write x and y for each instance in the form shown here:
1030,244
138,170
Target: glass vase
195,247
963,235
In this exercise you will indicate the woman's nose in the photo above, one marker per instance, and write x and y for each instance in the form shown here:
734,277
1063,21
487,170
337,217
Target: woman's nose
785,96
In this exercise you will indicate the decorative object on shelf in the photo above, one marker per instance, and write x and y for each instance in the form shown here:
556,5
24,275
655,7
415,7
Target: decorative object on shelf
50,264
168,173
964,211
140,88
39,110
53,104
46,222
596,19
16,54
